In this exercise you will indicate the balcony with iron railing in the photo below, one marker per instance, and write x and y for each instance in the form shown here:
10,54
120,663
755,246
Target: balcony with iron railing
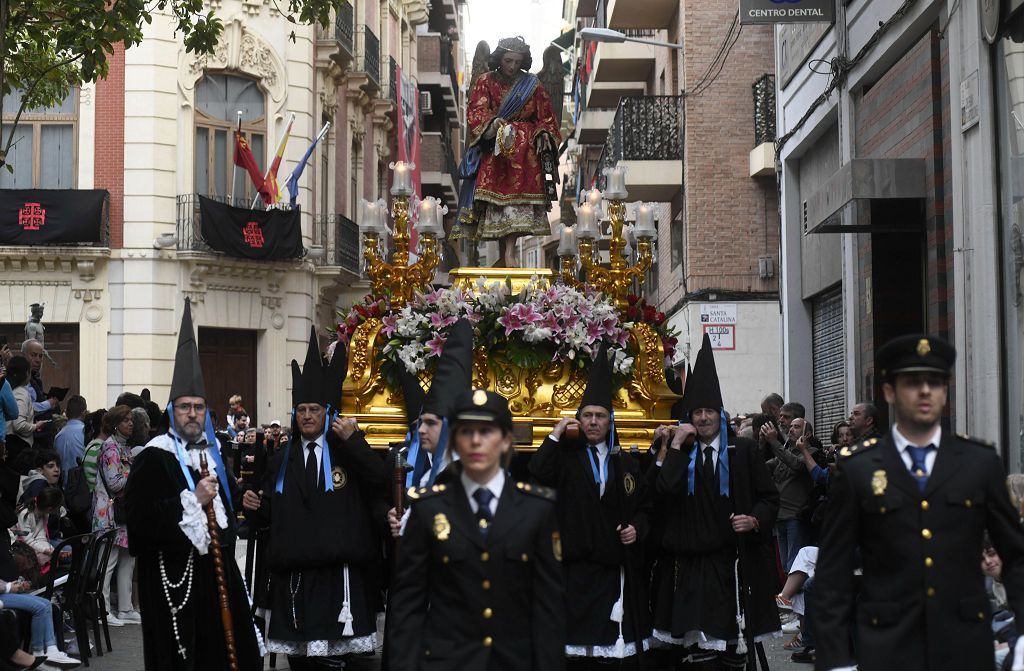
393,80
189,228
646,135
368,55
338,236
762,157
336,42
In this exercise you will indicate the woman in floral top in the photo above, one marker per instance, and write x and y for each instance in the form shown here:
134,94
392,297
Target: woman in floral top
112,476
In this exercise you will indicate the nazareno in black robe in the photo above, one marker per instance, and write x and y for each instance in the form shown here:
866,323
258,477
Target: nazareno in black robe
154,511
698,593
312,537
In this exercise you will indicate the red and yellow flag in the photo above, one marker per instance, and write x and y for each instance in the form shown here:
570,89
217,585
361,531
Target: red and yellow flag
273,190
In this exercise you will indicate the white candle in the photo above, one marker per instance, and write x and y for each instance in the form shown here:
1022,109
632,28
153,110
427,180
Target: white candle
369,217
428,215
616,188
594,198
645,227
587,220
402,183
567,242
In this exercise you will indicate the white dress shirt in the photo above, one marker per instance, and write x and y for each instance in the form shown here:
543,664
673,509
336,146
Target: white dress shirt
715,447
495,484
318,451
902,444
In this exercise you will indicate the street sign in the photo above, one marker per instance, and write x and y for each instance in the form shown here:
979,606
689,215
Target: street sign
787,11
722,336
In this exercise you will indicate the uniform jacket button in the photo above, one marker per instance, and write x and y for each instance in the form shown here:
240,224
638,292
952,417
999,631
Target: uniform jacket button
488,641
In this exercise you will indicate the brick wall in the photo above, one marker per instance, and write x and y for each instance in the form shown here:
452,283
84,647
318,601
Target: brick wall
428,53
108,172
730,219
904,115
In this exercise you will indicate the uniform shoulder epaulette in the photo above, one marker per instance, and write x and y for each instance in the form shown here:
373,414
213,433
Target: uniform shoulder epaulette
857,448
537,490
976,441
419,493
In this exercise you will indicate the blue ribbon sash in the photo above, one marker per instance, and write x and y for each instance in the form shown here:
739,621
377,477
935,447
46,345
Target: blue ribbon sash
213,444
723,461
325,459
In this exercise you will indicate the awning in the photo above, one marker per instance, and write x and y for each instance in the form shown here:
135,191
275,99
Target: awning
565,40
885,195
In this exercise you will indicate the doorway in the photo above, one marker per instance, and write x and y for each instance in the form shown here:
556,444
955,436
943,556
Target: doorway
228,358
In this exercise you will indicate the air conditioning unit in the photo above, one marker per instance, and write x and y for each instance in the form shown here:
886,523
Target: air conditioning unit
426,103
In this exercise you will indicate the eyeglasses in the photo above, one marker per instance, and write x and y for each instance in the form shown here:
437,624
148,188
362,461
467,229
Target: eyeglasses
199,408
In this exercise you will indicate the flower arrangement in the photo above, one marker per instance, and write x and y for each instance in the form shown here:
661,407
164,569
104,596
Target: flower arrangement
536,326
638,310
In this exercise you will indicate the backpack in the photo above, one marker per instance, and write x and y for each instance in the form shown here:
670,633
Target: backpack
77,497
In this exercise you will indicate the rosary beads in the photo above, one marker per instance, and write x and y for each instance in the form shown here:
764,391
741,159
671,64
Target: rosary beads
186,577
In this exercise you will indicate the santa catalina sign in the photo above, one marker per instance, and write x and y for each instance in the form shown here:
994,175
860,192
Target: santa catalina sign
787,11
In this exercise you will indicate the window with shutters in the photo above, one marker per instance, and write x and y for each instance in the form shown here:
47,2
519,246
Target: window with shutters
44,153
219,98
829,361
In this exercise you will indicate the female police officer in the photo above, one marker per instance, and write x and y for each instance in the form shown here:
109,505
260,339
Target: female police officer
481,556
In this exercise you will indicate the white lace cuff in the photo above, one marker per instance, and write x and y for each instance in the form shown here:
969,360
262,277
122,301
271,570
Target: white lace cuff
193,521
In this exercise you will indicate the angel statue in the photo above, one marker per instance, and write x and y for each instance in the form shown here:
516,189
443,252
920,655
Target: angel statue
513,134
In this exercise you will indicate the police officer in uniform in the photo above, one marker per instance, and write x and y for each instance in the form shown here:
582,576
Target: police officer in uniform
916,502
479,584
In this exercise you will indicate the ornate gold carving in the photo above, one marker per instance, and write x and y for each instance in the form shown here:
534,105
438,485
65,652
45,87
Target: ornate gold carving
399,278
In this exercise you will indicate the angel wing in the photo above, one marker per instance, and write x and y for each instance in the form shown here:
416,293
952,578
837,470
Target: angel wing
480,57
552,77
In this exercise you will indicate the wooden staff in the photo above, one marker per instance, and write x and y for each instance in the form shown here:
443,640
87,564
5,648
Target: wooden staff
398,490
218,569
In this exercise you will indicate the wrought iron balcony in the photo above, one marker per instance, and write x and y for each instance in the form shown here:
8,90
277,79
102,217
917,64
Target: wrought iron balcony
764,109
339,237
392,79
368,54
189,221
645,128
344,25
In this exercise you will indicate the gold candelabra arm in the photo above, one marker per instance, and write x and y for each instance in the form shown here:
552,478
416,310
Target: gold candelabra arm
400,257
421,273
567,271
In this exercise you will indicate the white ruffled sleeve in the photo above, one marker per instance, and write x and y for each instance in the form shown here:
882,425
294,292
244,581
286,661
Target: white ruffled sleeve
193,521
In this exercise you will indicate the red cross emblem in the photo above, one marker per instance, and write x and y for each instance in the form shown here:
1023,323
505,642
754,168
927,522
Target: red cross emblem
253,235
31,216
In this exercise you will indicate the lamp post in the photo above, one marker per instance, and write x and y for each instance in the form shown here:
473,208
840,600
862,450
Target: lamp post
615,36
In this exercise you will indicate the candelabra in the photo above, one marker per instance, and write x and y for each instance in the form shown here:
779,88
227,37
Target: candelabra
614,280
397,277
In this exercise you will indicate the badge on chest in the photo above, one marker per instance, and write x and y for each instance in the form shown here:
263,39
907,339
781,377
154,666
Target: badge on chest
628,484
442,527
879,481
339,478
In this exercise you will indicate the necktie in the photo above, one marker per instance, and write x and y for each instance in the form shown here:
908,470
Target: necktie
709,466
919,470
596,460
483,497
312,472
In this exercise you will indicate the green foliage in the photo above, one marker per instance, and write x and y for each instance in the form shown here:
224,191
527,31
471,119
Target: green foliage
48,47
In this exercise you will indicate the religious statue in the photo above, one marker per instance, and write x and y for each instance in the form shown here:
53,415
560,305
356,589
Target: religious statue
509,170
34,326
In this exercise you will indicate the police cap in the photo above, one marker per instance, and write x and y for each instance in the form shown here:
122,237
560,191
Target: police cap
915,353
482,406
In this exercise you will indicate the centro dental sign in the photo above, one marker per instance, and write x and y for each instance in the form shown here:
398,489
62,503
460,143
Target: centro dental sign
787,11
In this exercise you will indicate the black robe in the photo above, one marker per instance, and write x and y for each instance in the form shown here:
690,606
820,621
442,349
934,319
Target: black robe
154,510
698,594
313,536
593,554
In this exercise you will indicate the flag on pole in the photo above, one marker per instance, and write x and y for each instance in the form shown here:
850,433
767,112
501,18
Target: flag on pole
293,179
273,193
245,159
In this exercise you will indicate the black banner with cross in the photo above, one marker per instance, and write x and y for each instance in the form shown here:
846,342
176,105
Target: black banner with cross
251,234
51,216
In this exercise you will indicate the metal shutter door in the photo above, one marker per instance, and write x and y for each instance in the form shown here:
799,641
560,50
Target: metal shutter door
828,353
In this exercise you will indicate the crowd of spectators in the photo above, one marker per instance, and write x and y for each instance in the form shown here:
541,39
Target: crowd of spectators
53,454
